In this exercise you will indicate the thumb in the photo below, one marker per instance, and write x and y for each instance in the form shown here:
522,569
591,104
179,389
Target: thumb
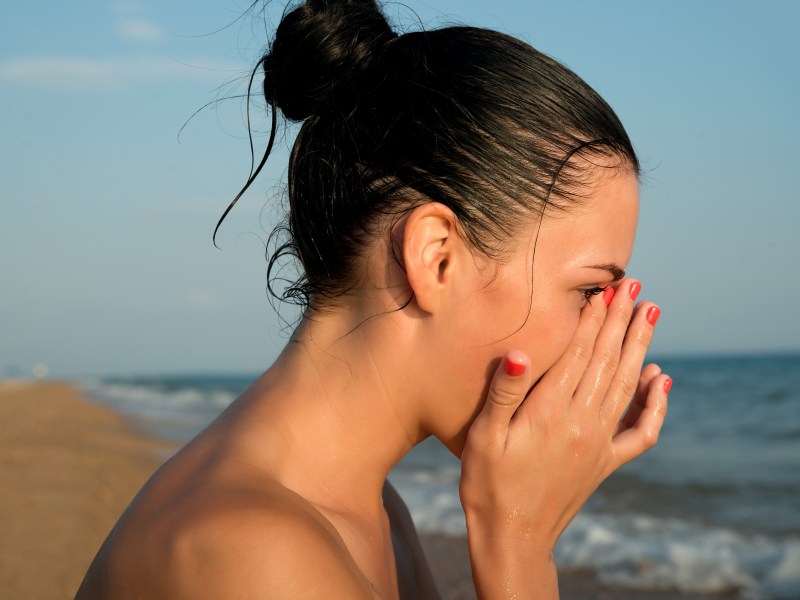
508,389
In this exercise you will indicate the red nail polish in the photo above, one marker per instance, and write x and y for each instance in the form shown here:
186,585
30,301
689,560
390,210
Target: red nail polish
514,369
652,314
667,385
608,295
636,287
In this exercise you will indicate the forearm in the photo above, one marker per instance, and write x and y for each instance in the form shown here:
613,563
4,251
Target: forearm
508,567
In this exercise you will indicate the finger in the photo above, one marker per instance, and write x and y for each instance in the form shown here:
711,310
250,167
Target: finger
644,433
507,390
634,348
568,370
649,373
608,347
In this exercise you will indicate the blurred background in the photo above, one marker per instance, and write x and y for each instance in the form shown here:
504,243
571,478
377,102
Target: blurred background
123,137
105,237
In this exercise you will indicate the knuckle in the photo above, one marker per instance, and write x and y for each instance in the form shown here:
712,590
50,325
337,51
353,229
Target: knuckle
659,409
650,438
644,336
504,396
583,438
580,350
596,317
578,435
624,312
609,358
627,383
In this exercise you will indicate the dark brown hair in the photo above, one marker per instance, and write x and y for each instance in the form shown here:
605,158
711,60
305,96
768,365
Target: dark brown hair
471,118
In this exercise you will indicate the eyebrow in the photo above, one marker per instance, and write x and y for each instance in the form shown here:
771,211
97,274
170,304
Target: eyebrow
616,271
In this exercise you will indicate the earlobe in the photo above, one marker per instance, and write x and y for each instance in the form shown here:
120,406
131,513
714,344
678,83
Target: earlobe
430,244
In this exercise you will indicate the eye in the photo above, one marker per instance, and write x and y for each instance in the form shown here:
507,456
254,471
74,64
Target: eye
589,292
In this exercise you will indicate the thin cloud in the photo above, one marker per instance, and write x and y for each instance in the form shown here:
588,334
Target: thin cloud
98,74
139,30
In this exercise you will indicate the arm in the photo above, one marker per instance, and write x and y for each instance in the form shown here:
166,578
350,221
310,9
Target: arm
532,459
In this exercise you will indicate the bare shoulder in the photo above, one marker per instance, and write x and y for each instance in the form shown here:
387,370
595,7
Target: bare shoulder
237,545
279,549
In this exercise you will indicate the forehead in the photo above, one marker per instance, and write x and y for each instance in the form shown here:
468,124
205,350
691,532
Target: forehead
600,229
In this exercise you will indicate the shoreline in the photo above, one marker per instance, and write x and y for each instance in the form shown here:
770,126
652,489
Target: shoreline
449,560
69,466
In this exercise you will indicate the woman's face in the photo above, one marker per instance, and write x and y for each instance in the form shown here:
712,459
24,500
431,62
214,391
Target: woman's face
532,301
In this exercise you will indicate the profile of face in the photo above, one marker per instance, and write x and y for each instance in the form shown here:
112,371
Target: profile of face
445,117
532,300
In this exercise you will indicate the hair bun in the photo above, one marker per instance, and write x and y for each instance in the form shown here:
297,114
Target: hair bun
322,54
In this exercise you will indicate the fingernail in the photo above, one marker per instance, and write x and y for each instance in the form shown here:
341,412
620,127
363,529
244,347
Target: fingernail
652,314
608,295
513,369
636,287
667,385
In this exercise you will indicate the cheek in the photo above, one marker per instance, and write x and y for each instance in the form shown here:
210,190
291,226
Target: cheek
544,335
474,343
552,332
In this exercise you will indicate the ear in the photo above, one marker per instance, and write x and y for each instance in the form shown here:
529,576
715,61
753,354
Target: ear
433,252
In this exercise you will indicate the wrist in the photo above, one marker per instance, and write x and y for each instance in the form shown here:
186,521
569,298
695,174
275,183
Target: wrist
507,564
512,530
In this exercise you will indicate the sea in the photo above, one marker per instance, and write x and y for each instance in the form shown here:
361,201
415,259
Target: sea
714,508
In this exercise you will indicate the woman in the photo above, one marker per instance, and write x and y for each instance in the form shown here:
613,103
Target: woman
463,208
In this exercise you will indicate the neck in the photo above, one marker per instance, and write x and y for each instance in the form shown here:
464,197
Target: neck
340,410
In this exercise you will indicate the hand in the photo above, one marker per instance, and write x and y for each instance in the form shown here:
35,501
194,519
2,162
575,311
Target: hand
532,459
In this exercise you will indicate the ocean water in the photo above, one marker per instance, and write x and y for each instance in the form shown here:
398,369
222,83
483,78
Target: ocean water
714,508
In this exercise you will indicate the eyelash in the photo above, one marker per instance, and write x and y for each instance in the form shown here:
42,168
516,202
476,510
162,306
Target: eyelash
588,293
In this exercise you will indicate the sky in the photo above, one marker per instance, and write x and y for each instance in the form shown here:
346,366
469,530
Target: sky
106,259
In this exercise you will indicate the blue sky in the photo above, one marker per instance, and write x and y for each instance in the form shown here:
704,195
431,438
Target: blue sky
106,261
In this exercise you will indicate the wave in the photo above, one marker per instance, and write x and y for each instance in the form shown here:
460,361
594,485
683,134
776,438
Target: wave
722,516
670,554
175,412
635,551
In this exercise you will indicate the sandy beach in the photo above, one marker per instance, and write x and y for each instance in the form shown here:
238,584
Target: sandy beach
69,467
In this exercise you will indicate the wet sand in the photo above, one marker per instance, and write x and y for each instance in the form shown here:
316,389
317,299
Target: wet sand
69,467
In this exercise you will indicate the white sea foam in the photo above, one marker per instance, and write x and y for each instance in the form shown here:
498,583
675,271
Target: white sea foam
741,476
432,499
178,413
640,552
